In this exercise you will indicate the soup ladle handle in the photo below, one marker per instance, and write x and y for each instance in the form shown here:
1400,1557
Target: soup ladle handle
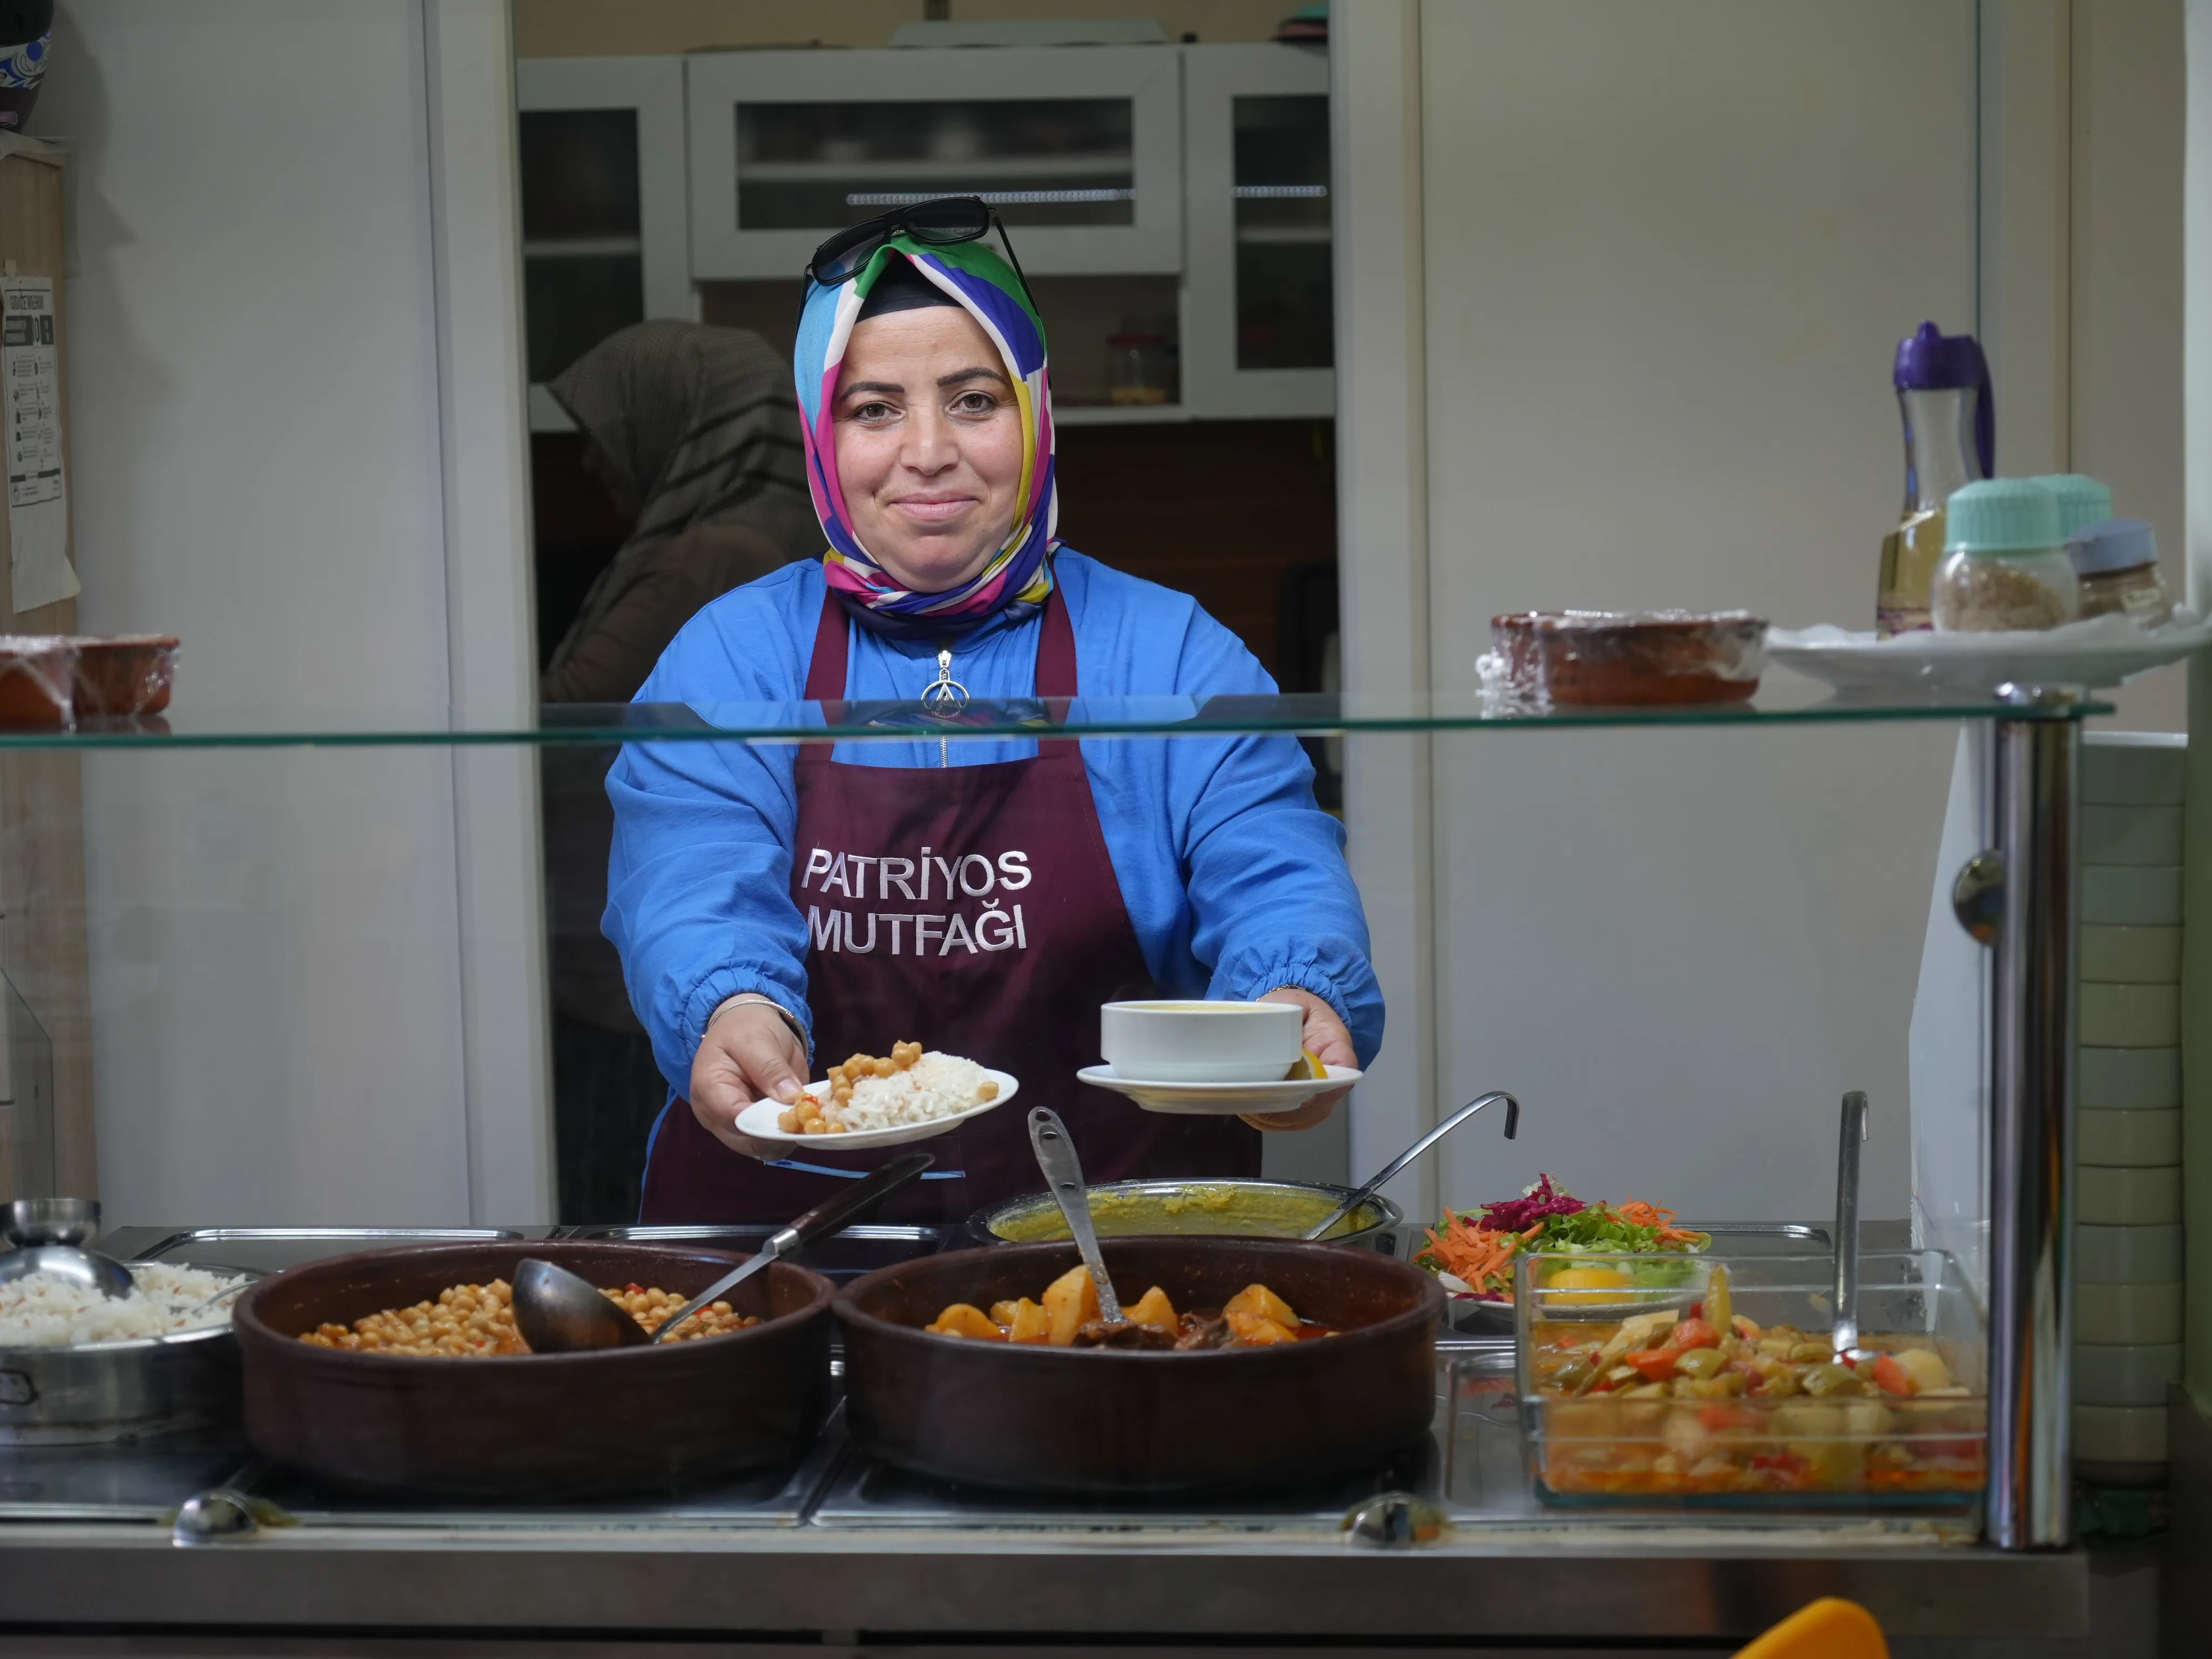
1383,1177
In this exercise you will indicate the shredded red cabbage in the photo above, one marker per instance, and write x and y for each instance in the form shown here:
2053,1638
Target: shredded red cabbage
1519,1214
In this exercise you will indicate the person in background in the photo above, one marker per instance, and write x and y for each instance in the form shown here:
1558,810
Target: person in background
693,431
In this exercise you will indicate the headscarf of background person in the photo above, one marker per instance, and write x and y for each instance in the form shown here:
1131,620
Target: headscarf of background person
1017,579
700,427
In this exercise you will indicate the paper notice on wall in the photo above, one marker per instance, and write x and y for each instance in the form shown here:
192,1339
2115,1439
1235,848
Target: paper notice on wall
37,496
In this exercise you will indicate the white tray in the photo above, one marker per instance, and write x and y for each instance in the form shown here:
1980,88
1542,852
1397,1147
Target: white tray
2103,651
758,1122
1220,1099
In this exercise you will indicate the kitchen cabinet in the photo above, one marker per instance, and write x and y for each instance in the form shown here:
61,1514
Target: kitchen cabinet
1079,148
604,238
1171,198
1258,323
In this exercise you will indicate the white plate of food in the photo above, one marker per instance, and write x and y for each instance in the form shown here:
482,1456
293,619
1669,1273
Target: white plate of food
1220,1099
907,1095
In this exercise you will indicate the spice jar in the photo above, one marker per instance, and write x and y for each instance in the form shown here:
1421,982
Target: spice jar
2004,569
2117,564
2082,501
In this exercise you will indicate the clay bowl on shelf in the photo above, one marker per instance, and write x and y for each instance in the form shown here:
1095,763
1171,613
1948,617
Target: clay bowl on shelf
1627,659
1109,1421
35,674
123,674
533,1426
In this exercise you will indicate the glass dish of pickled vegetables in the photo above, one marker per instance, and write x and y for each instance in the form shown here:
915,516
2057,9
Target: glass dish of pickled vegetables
1730,1390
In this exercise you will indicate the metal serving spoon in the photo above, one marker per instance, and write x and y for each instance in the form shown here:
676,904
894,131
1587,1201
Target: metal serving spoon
1063,1177
1383,1177
1850,1136
558,1312
51,1235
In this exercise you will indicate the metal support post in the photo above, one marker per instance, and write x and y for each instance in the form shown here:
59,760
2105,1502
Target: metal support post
2032,1130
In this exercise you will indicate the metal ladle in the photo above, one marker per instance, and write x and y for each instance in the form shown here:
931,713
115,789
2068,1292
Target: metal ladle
1383,1177
51,1235
559,1312
1063,1178
1851,1137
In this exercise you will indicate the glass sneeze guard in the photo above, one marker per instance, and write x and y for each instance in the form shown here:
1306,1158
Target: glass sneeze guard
1315,714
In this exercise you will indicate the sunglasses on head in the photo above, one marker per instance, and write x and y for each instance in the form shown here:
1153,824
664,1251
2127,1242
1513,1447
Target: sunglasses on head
939,223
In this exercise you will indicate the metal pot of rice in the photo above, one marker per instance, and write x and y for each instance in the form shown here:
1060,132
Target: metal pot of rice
78,1370
1232,1208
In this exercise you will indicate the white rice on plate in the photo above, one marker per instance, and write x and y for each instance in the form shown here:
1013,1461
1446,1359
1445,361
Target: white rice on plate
934,1086
45,1310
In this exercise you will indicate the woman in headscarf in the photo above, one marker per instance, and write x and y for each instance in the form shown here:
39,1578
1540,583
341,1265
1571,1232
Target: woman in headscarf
769,901
694,433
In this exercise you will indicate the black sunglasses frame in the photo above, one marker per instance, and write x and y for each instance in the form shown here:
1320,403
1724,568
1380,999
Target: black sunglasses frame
870,234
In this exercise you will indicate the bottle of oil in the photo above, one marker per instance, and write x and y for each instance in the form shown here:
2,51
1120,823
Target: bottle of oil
1942,384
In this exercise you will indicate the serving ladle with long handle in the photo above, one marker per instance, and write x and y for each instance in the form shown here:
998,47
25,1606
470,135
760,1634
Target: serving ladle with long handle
1063,1177
1850,1136
1382,1178
560,1312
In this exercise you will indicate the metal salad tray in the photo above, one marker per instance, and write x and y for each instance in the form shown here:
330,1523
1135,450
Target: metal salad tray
1740,1238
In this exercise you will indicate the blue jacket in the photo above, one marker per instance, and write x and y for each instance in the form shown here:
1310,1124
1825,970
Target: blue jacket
1234,880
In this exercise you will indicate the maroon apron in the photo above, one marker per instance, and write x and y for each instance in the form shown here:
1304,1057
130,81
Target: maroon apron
1003,931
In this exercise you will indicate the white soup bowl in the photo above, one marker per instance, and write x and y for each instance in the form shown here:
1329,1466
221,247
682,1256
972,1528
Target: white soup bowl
1200,1041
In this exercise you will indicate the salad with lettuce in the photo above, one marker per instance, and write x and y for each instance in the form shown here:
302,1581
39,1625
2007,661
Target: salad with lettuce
1472,1256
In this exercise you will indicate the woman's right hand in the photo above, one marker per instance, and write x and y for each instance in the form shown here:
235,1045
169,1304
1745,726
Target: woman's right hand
750,1052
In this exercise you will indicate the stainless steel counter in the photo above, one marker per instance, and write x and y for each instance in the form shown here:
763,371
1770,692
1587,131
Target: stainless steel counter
1596,1583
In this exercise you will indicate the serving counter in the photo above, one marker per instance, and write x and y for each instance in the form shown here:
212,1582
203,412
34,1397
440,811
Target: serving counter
189,1534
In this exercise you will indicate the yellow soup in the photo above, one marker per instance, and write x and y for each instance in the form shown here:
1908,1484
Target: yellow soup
1200,1207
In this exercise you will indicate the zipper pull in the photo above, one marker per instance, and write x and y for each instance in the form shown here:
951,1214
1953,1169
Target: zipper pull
944,696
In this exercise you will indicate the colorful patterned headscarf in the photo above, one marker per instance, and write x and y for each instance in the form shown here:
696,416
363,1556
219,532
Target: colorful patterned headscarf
1019,577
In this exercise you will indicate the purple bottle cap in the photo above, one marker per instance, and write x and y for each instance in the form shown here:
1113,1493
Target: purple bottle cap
1928,360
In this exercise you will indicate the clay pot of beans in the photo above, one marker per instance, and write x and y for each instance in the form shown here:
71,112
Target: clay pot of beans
437,1401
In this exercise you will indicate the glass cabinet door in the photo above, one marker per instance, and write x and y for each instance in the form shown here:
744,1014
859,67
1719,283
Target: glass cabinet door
1259,328
601,161
583,259
1078,150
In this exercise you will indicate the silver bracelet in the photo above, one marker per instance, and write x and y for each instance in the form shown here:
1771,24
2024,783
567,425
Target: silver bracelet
752,998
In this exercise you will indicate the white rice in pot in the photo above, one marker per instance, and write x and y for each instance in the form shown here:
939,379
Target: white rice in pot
934,1086
45,1310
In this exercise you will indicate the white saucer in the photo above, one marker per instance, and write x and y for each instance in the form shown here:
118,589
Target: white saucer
1219,1099
758,1122
2101,652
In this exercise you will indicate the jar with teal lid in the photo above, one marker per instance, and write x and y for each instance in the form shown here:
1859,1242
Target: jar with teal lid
2082,501
2005,568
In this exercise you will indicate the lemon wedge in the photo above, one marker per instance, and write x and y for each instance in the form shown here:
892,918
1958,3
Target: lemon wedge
1585,1284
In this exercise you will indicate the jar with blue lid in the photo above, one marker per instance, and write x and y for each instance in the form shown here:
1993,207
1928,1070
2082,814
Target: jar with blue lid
2116,562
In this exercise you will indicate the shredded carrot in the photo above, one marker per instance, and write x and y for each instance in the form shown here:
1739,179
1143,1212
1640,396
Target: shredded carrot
1637,1213
1472,1256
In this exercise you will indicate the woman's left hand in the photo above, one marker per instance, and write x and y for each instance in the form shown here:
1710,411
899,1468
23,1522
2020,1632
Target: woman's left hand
1323,1036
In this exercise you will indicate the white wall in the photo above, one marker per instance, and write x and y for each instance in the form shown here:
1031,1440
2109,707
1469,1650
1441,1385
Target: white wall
1667,253
1657,261
277,966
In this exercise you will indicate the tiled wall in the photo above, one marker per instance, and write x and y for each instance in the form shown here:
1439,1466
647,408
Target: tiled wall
2128,1305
